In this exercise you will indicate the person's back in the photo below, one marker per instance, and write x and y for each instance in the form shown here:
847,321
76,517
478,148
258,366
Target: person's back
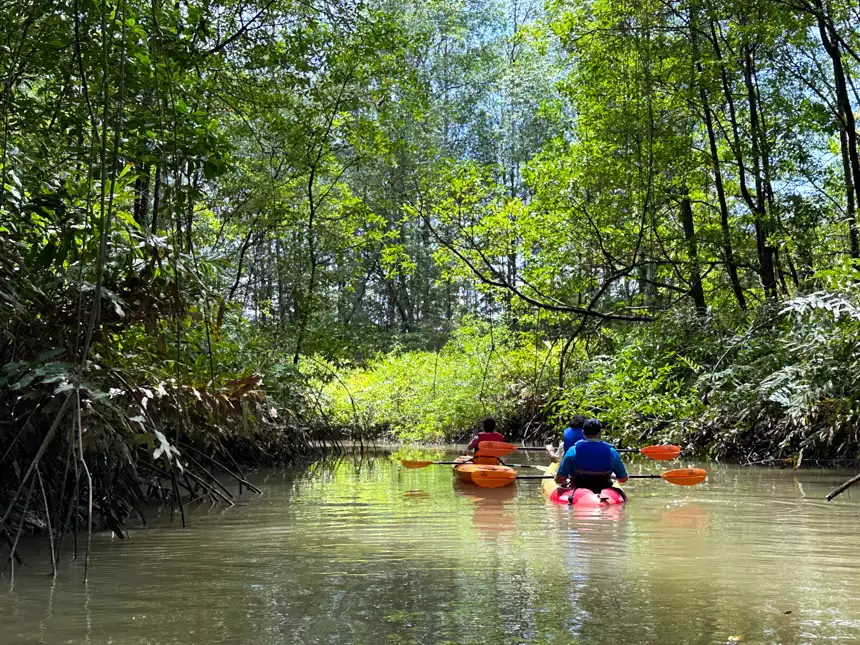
593,457
572,434
487,434
590,463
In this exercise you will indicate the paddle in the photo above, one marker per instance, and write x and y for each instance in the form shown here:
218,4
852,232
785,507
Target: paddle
414,463
680,476
657,453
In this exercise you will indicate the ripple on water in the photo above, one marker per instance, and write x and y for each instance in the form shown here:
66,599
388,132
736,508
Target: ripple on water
383,555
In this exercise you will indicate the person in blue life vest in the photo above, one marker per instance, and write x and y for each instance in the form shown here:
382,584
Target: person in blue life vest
591,463
572,434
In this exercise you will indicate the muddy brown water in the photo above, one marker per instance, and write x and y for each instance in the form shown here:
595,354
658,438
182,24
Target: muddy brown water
369,552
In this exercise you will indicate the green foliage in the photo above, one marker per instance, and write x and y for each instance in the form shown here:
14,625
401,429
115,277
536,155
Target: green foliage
430,396
403,216
787,386
643,387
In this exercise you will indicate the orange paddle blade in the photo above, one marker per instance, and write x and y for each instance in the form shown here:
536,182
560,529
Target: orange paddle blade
412,463
661,453
495,449
685,476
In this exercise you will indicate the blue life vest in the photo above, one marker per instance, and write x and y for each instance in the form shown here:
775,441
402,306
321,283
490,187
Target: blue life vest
571,436
593,457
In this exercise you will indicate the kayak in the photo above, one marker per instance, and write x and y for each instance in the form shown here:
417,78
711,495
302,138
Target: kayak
482,459
611,496
491,475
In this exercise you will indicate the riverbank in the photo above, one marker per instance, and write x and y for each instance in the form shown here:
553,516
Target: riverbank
92,450
87,454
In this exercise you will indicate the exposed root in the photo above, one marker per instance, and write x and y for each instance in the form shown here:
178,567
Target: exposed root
115,459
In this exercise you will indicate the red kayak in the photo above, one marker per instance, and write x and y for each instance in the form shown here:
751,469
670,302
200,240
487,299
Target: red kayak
611,496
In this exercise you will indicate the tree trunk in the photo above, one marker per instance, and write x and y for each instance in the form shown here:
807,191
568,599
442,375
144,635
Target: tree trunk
156,200
697,292
281,291
772,209
850,204
141,197
718,176
763,227
848,127
756,206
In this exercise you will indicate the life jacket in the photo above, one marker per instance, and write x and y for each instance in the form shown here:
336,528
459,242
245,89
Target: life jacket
483,459
571,437
593,457
490,436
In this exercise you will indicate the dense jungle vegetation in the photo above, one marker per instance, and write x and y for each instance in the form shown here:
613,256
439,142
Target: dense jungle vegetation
230,229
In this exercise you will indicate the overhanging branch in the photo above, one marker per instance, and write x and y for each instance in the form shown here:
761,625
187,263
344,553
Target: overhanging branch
499,281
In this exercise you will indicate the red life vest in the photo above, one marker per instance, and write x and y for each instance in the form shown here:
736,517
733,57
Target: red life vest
483,459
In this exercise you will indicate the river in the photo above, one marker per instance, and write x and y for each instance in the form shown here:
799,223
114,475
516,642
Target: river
369,552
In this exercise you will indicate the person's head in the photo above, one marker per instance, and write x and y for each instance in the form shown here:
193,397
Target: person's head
591,428
577,421
489,424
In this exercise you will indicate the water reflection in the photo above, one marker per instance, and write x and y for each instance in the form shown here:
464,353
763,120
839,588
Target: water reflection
415,495
489,513
684,516
365,551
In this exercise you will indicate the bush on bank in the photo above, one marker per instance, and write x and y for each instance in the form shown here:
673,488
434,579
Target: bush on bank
434,396
784,385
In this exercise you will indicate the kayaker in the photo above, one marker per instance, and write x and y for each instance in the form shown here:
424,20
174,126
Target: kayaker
572,434
591,463
488,434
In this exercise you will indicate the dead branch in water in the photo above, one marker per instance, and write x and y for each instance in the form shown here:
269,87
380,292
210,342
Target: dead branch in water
843,487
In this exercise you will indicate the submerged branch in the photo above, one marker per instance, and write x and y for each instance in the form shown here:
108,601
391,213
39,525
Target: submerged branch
841,489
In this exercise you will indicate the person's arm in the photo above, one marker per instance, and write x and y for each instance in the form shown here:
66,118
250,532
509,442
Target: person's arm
474,443
555,453
618,467
567,467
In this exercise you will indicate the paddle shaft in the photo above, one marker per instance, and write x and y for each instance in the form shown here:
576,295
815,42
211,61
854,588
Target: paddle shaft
636,450
657,453
553,477
460,463
544,449
501,463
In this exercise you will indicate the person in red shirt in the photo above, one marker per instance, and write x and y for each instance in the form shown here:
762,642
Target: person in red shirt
488,434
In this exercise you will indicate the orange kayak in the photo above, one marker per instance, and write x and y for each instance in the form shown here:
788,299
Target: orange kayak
491,475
